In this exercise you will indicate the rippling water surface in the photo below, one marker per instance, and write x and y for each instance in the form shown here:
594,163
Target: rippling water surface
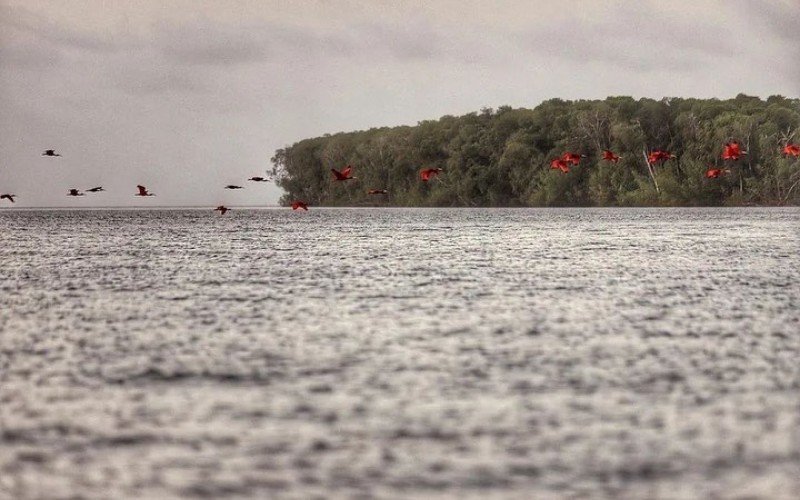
400,353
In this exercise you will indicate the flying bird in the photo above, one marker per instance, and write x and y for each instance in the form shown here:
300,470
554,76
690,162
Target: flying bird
573,158
344,175
143,191
429,173
222,209
9,197
74,192
559,164
791,150
96,189
258,179
713,173
609,155
297,205
50,152
659,155
732,151
232,186
377,191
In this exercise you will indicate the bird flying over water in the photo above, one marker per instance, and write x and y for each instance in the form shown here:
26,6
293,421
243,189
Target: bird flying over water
609,155
791,150
232,186
344,175
50,152
732,151
377,191
573,158
222,209
143,191
95,189
74,192
298,205
713,173
659,155
9,197
258,179
559,164
429,173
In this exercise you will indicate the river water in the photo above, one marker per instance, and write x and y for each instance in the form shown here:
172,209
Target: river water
400,353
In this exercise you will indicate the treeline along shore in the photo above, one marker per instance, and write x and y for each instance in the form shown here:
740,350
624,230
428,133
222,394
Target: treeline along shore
502,157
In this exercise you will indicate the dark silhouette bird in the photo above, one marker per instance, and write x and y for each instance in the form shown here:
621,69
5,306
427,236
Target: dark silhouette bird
732,151
429,173
377,191
344,175
50,152
222,209
713,173
96,189
9,197
659,155
559,164
232,186
298,205
573,158
143,191
74,192
791,150
609,155
258,179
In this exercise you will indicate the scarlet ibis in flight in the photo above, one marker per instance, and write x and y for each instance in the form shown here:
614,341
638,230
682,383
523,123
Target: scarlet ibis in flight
791,150
573,158
344,175
298,205
733,151
233,186
377,191
258,179
429,173
559,164
659,155
9,197
609,155
222,209
50,152
74,192
143,191
96,189
713,173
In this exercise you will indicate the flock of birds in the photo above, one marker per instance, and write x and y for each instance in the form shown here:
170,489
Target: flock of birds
732,151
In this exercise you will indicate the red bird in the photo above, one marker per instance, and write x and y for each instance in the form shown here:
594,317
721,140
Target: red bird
429,173
142,191
609,155
573,158
659,155
713,173
791,150
377,191
9,197
74,192
297,205
344,175
222,209
732,151
559,164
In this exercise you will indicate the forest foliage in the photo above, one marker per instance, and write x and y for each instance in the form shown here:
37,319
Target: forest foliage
501,157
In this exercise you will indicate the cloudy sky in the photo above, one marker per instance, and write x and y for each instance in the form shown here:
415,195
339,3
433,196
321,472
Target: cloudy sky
186,96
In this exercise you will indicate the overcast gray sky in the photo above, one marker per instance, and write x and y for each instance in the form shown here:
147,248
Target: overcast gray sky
186,96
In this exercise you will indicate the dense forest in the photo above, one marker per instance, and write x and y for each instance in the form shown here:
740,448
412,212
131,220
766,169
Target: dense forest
502,157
